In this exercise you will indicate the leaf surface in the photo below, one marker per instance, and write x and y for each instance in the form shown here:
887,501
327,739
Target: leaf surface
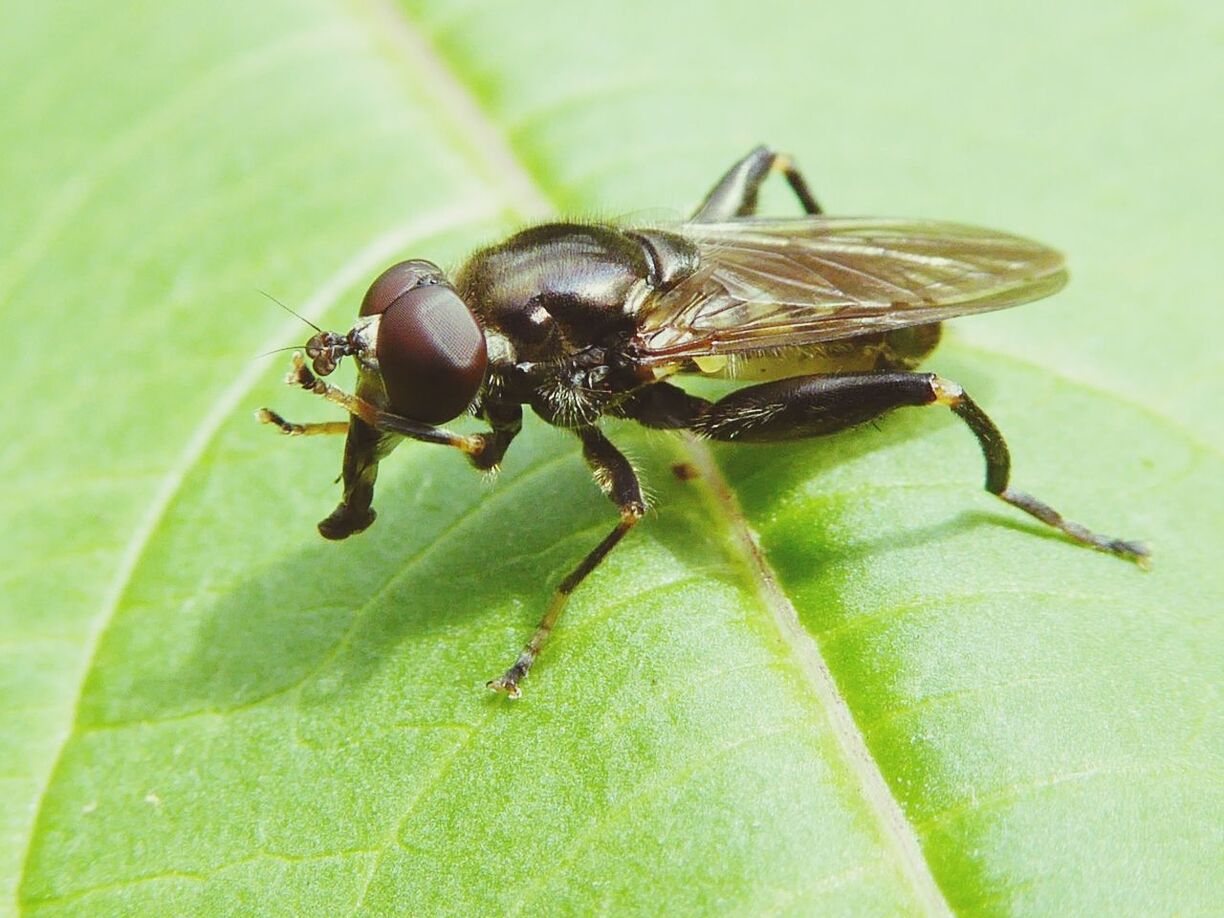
910,700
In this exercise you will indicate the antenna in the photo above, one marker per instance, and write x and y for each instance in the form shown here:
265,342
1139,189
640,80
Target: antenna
279,350
290,311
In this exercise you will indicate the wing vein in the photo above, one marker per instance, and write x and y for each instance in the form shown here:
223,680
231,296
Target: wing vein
764,284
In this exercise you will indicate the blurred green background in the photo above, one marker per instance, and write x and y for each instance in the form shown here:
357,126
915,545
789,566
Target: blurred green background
206,709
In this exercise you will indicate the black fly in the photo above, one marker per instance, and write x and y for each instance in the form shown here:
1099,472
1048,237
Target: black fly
828,317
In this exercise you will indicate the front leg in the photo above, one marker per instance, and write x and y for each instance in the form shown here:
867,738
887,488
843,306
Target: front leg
616,477
374,416
292,429
372,434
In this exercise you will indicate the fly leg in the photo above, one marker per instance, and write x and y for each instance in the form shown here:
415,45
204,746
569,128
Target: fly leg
371,414
807,406
289,428
735,195
506,420
372,434
616,477
662,406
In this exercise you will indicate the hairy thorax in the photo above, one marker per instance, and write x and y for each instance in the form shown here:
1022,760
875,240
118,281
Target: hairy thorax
519,288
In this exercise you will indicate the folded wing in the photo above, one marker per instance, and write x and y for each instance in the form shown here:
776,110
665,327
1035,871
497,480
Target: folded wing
765,284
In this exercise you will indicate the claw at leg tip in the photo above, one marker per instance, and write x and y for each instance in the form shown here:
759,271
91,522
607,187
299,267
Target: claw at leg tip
1132,551
505,687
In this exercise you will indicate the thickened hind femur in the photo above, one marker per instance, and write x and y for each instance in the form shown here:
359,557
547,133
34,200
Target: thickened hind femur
431,350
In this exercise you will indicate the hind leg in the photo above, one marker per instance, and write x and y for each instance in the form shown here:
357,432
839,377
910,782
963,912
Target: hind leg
809,406
735,194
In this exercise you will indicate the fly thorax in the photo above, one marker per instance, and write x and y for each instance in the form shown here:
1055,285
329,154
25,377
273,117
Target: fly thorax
363,339
501,351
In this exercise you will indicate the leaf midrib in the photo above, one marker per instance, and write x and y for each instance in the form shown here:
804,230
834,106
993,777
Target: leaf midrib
896,828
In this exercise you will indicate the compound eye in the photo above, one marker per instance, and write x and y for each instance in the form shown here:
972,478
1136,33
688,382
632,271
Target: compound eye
432,354
396,281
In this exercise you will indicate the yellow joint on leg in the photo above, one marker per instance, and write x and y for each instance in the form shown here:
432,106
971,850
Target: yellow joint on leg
947,392
781,163
351,403
301,376
472,445
632,514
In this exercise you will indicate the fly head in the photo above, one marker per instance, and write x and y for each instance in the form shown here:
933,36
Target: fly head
426,343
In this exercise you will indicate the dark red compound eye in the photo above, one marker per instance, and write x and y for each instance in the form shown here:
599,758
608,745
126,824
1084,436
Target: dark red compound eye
431,352
396,281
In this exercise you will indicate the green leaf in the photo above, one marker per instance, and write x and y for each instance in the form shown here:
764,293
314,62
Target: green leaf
910,699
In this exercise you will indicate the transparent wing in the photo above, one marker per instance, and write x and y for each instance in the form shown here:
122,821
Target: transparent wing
774,283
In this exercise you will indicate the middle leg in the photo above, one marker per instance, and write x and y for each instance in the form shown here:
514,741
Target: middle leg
616,477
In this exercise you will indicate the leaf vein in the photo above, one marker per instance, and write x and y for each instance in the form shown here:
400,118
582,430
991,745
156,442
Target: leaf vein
623,810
